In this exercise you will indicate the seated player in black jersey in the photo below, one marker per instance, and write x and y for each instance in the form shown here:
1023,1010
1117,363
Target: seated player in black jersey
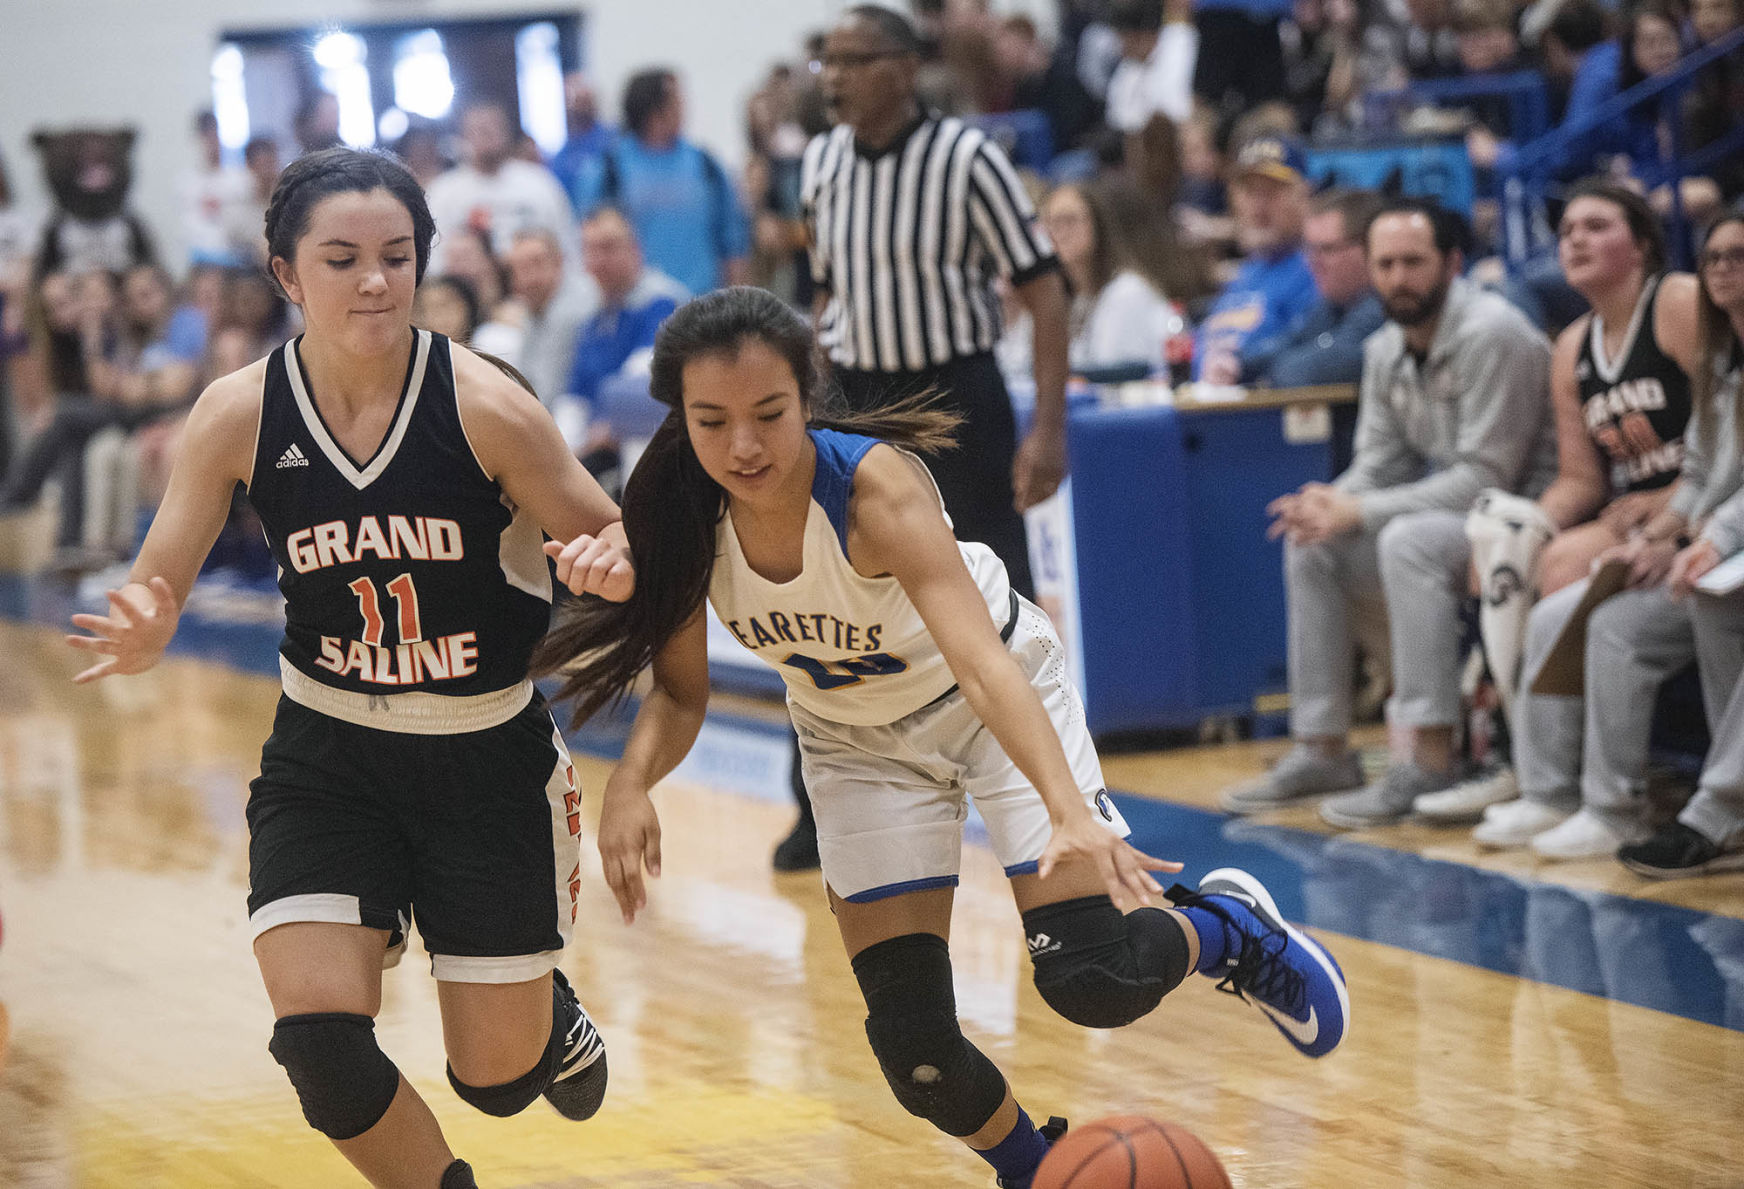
403,483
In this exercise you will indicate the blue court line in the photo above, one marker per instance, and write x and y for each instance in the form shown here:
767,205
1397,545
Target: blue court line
1671,959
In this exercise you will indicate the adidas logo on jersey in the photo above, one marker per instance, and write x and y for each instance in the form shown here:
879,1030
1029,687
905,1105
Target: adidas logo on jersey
294,457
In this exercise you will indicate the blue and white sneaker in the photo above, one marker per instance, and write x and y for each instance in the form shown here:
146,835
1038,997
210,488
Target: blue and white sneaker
579,1086
1273,965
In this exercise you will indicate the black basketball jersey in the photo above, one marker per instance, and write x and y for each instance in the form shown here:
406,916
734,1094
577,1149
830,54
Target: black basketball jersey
1636,405
410,571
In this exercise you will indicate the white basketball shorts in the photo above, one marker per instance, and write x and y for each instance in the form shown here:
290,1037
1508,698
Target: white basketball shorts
890,800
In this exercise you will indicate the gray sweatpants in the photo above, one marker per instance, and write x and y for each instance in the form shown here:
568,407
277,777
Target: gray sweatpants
1592,750
1717,809
1413,575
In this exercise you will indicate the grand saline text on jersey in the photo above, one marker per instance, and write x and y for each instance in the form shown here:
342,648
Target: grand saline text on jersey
409,571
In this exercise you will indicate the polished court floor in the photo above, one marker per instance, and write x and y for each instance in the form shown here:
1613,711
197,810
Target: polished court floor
1513,1024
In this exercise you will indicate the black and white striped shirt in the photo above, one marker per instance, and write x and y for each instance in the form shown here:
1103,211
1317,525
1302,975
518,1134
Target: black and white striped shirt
907,242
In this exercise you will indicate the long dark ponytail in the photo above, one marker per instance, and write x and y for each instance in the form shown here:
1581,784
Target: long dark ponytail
672,508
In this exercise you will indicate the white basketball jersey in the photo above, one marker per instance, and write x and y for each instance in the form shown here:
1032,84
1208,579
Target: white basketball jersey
851,649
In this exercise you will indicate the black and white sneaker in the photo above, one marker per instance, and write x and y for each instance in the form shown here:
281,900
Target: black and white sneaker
579,1087
1677,851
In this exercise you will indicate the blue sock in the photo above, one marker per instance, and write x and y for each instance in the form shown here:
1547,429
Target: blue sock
1015,1157
1214,937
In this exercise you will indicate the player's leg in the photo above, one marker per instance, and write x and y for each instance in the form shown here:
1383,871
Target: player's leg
328,904
498,874
902,961
1425,560
1546,736
1093,964
324,981
1708,835
1332,590
1635,641
890,837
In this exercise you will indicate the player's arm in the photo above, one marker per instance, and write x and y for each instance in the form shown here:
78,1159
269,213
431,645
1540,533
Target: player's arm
665,728
520,448
1676,318
897,528
217,452
1579,487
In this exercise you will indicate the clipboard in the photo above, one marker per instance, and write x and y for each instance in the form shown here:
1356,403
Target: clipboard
1564,670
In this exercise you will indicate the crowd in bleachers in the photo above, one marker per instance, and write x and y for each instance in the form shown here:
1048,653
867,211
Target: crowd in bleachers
1170,148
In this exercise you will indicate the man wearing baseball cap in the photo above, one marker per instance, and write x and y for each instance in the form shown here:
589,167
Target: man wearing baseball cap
1274,287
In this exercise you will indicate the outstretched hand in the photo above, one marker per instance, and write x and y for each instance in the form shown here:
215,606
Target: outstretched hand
141,620
629,841
1124,869
594,565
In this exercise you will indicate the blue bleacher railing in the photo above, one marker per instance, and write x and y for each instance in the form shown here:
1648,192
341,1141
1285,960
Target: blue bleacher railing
1527,178
1528,100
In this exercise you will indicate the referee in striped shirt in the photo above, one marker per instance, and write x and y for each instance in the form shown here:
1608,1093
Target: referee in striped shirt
911,217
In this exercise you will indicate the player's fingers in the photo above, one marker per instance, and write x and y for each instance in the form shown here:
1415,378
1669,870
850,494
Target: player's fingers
95,644
1114,881
553,548
123,609
651,852
101,669
100,625
621,582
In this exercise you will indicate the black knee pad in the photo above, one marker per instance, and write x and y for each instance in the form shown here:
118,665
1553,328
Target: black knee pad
511,1098
934,1072
342,1078
1100,968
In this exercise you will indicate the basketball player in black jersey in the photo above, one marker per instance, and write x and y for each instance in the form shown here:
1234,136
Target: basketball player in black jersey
1620,388
413,771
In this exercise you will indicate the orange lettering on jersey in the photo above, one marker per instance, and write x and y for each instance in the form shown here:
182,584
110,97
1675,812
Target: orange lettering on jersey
332,656
445,542
371,537
462,654
358,657
301,547
330,543
433,656
574,891
421,538
385,672
408,541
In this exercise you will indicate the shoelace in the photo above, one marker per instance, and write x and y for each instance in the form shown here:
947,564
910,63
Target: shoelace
1259,972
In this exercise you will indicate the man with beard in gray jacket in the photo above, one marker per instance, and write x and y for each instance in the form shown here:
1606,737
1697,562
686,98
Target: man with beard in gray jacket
1454,399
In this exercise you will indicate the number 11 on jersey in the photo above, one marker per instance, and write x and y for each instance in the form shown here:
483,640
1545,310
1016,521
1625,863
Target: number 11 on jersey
405,596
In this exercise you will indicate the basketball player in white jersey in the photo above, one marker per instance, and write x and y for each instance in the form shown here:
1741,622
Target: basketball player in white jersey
915,677
403,482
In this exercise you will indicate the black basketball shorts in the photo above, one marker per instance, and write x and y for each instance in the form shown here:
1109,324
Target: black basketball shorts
474,836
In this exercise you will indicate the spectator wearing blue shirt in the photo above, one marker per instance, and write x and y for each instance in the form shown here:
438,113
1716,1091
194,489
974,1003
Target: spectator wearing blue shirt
1580,62
634,301
588,138
683,207
1274,287
1326,344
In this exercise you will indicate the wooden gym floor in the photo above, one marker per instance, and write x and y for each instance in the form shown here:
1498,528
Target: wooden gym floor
1513,1024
